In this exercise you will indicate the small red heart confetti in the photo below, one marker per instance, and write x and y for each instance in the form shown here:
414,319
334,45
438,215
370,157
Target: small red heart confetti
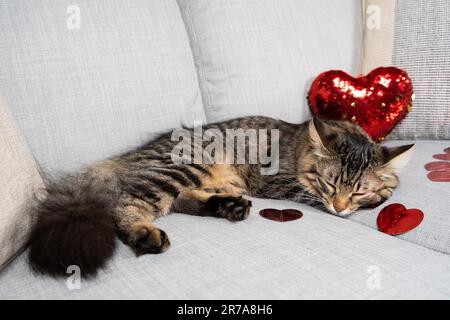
440,170
281,215
445,156
439,176
395,219
437,166
376,102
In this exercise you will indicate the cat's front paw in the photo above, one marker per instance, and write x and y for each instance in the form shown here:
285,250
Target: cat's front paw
233,208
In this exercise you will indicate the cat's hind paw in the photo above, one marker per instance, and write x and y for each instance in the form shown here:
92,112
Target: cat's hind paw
148,239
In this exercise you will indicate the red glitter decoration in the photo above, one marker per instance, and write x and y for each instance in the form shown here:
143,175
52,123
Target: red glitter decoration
377,102
395,219
281,215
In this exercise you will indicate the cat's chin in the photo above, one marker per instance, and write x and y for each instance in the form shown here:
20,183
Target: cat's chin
343,214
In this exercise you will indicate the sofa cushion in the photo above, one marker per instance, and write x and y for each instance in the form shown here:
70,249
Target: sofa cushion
258,57
417,191
413,35
19,178
82,94
319,256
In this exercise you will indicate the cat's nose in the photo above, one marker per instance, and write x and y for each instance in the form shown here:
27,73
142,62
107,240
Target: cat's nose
340,204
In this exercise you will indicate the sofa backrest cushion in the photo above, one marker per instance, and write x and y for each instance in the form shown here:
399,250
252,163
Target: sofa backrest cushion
90,79
259,57
19,179
415,36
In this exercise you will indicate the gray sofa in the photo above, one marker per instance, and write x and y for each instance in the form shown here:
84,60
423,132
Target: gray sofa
83,80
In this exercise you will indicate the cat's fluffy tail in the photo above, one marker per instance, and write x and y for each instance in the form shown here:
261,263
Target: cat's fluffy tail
74,224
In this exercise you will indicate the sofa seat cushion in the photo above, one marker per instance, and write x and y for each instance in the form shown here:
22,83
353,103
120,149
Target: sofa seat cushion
258,57
417,191
319,256
90,79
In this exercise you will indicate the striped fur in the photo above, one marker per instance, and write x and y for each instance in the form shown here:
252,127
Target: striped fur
331,165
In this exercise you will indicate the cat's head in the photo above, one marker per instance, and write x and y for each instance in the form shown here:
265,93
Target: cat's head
343,168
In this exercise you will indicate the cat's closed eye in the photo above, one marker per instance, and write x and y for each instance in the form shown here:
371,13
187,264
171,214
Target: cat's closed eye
326,186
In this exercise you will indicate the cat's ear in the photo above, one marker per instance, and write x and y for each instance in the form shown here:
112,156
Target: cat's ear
397,157
319,134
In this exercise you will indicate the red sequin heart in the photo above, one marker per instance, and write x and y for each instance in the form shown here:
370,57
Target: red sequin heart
281,215
377,102
395,219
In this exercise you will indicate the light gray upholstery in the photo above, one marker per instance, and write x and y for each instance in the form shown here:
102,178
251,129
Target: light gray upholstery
81,95
417,191
421,46
259,57
413,35
19,178
319,256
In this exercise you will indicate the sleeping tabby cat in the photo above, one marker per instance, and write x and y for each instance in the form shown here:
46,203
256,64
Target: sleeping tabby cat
328,164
